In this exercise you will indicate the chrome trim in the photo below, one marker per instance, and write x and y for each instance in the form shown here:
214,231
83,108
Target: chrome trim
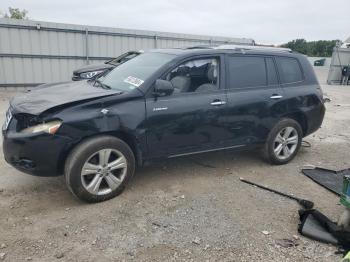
159,109
8,119
205,151
276,97
218,103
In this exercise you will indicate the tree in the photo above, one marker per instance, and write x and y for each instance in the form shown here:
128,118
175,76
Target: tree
16,13
298,45
312,48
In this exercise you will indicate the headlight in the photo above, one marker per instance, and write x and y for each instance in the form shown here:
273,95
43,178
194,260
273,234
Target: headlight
50,128
91,74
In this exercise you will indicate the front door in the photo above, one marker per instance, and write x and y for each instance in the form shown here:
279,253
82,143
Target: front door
191,119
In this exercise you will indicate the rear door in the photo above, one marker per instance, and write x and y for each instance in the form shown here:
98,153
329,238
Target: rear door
302,92
253,97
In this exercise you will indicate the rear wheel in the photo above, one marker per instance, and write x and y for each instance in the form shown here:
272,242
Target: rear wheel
99,168
283,142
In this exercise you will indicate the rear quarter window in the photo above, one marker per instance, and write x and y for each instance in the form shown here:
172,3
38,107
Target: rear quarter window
289,69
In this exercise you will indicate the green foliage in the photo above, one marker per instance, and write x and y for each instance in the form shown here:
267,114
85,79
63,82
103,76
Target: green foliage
16,13
321,48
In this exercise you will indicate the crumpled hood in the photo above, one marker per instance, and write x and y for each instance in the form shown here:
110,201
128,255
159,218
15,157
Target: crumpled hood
37,101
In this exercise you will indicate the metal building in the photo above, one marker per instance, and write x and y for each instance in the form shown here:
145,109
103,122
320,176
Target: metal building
340,59
34,52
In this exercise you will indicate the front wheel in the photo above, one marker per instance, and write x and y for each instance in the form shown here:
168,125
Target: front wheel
99,168
283,142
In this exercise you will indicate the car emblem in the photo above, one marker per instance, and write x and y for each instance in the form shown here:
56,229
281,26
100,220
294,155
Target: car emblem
159,109
104,111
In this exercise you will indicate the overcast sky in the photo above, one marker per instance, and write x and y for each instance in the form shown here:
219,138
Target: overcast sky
266,21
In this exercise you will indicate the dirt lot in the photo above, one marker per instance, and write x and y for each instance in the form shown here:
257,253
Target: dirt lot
185,209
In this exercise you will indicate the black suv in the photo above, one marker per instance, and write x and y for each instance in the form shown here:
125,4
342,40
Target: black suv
164,103
96,70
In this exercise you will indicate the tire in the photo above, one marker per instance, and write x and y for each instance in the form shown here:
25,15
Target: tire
99,168
274,150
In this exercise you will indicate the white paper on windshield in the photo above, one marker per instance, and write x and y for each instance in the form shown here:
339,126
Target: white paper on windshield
133,81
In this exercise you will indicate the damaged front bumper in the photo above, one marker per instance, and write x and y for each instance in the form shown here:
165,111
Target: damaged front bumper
39,154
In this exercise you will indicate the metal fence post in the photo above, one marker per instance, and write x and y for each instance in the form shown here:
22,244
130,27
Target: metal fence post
155,41
87,45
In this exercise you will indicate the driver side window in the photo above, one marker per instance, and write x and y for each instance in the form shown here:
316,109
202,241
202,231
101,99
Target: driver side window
198,75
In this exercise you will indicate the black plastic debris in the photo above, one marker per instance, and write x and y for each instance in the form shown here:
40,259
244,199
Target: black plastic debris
317,226
330,179
311,228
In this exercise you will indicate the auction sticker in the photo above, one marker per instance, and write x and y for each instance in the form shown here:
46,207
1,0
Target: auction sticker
133,81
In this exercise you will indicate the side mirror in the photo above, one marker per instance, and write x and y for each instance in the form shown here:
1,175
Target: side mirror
163,88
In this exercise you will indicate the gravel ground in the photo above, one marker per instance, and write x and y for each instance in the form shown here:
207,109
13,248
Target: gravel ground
185,209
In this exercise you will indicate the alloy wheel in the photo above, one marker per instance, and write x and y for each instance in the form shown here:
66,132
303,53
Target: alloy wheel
286,142
104,171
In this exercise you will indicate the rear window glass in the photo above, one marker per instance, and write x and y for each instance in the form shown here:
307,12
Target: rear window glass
247,71
289,70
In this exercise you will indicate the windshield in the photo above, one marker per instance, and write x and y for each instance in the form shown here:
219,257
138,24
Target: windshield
134,72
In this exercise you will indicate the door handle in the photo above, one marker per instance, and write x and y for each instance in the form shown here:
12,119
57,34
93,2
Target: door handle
276,96
218,103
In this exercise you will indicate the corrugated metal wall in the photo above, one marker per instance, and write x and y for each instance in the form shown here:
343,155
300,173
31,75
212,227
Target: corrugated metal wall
33,52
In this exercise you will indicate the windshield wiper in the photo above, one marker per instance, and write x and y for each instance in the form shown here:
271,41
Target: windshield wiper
112,63
102,84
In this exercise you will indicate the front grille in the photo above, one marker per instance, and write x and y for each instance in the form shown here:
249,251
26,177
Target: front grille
8,119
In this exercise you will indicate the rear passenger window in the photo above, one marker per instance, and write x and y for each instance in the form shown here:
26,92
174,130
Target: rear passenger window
246,71
289,69
271,72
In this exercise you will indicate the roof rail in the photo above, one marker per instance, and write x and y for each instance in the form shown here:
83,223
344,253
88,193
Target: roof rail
200,47
254,47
